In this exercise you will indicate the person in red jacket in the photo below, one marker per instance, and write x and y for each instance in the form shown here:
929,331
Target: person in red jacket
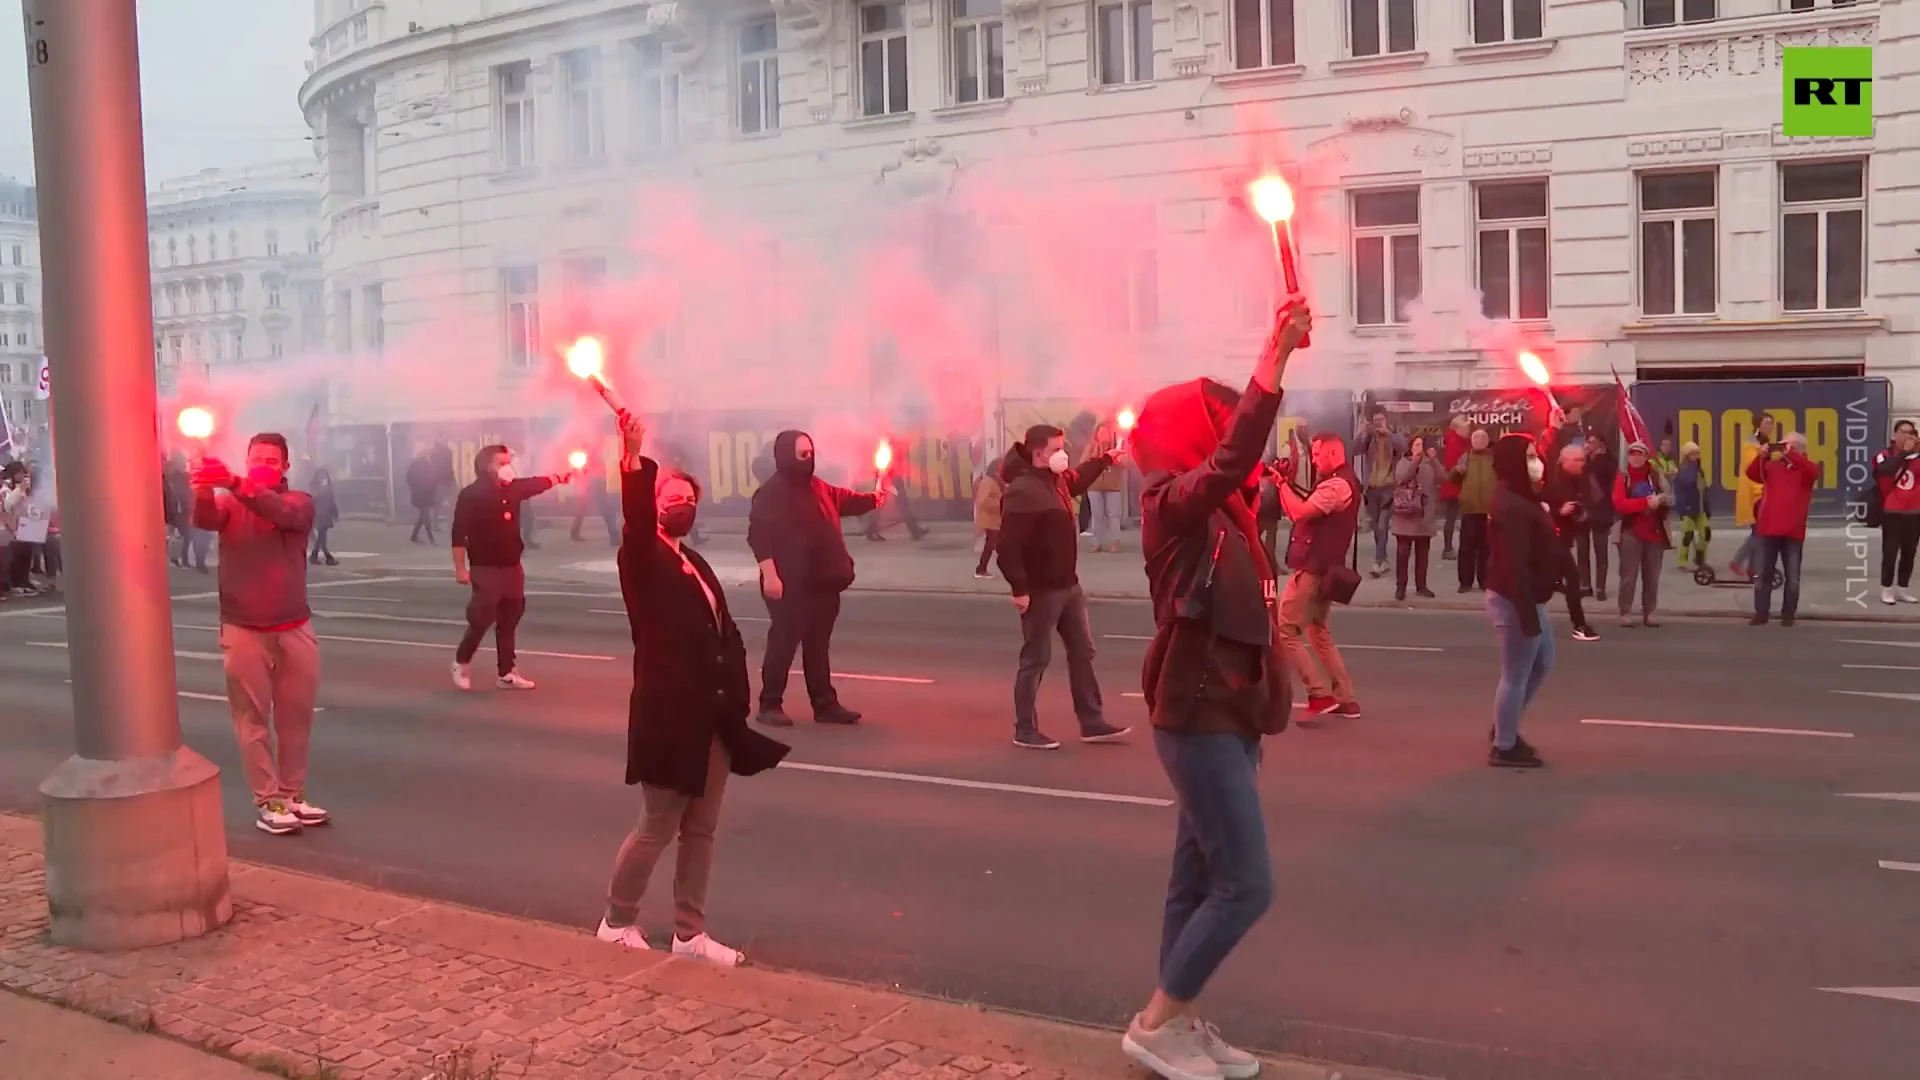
1454,447
1642,499
1897,471
1787,477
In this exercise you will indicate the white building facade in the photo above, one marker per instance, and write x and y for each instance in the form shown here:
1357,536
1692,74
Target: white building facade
1604,180
236,262
20,327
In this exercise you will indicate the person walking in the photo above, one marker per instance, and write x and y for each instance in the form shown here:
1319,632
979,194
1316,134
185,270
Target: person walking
1643,500
1324,523
793,529
1474,473
1787,479
687,730
1416,514
1039,557
988,493
487,547
1108,493
1525,567
1377,448
267,647
326,514
1693,505
1896,472
423,491
1215,684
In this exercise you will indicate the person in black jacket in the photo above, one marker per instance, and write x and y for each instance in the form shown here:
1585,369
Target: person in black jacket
687,719
1565,493
1215,682
1039,556
487,546
326,514
794,531
1525,567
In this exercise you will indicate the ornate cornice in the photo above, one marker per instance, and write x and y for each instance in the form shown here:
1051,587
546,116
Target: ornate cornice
682,28
809,20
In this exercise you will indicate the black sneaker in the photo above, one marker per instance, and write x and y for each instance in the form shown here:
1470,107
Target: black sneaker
1034,740
1756,620
1466,588
1522,756
774,717
1585,633
1424,591
1400,593
835,713
1103,732
1786,620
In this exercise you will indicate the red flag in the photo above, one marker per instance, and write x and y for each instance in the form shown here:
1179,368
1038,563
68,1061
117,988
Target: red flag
1633,426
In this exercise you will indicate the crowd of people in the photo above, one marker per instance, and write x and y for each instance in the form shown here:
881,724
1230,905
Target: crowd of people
29,532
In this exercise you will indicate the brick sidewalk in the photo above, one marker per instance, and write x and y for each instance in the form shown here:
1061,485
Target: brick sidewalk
317,978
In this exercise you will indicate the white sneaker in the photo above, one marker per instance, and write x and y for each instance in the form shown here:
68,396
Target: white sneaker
462,676
1235,1063
1887,596
1173,1051
276,819
627,937
702,947
1906,596
306,812
513,680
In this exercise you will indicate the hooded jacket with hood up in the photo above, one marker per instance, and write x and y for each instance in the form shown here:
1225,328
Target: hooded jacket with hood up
795,521
1039,535
1524,557
1215,663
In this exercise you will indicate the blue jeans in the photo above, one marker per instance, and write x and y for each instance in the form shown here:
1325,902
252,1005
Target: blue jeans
1222,880
1380,517
1777,550
1524,663
193,546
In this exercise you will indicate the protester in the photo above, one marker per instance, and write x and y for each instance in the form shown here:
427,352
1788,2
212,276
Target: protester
1750,492
1896,472
1787,478
423,490
1416,513
1563,495
1663,460
1039,557
793,529
1458,440
1526,566
1214,685
326,514
687,717
1642,499
1693,505
988,493
12,478
896,495
595,499
1474,475
1375,451
1107,495
27,509
487,547
267,647
1324,523
1603,469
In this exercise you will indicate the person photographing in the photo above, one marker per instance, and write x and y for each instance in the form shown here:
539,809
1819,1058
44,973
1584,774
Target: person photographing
487,547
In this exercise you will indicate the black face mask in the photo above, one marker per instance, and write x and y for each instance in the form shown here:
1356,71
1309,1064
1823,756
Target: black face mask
677,521
800,468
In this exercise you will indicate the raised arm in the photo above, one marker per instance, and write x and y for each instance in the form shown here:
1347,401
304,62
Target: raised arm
1082,478
288,511
854,503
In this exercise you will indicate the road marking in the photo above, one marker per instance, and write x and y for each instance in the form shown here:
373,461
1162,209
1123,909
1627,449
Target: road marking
1889,796
374,616
185,654
576,595
1880,667
1724,728
1888,644
1877,694
421,644
736,618
1143,697
979,785
196,695
905,680
1342,645
344,583
1890,993
1909,867
370,599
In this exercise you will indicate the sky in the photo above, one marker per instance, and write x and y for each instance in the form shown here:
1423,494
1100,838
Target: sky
219,83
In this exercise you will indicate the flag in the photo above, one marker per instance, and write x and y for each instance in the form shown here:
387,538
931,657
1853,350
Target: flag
1633,426
313,432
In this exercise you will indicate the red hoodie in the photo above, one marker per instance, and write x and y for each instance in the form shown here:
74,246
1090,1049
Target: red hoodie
1786,492
1452,449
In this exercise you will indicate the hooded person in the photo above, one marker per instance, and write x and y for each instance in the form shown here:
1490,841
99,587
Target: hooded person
793,529
1215,683
1525,565
1039,550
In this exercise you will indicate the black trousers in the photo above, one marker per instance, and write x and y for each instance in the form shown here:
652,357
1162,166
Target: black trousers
1473,551
1570,580
802,622
1419,547
988,545
422,522
499,599
1899,536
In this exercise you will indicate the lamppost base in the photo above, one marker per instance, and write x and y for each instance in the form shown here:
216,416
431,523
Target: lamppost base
136,851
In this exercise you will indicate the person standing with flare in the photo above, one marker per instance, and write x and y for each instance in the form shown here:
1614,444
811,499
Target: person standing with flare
267,647
487,548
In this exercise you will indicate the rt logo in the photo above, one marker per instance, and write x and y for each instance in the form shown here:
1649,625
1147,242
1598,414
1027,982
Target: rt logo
1827,92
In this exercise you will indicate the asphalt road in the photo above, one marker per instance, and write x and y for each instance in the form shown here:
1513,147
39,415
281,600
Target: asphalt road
1659,902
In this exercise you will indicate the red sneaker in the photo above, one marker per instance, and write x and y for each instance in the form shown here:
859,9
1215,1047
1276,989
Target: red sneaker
1320,706
1349,710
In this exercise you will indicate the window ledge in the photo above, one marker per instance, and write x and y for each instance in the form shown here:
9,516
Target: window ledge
972,108
755,136
1363,65
1119,88
1260,76
1378,330
884,120
1489,52
588,164
509,176
1813,322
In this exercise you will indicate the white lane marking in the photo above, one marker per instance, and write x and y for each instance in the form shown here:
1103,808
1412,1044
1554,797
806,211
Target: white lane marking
576,595
1890,993
312,585
1723,728
370,599
1880,667
444,647
375,616
906,680
46,612
1909,867
195,695
1877,694
1143,697
979,785
1343,645
622,614
184,654
1888,644
1889,796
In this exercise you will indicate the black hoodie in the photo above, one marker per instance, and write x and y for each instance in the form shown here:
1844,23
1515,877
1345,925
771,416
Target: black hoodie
1524,555
795,521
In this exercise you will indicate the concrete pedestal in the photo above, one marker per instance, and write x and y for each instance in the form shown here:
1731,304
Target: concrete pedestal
136,851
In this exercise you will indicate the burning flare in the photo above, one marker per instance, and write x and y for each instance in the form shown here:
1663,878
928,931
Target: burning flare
195,422
883,457
587,358
577,460
1535,369
1272,199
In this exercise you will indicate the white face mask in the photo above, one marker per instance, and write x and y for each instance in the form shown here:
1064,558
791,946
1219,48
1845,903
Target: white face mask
1536,469
1058,462
505,473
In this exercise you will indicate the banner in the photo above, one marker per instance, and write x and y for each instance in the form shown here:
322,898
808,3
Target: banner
1846,422
1524,409
358,458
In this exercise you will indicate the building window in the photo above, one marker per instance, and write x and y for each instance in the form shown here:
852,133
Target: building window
273,293
1386,255
1668,12
1125,39
20,292
1506,20
979,51
313,241
1515,282
586,105
579,277
219,349
373,301
1679,235
239,347
6,373
656,95
273,243
1262,34
233,243
174,349
173,252
343,320
1375,27
193,250
213,247
1133,288
756,86
275,347
883,59
515,135
1823,236
520,304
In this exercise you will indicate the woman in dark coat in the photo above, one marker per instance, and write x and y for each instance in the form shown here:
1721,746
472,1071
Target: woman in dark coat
687,720
326,514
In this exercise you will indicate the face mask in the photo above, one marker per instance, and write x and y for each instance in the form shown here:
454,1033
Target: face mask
677,521
264,475
1058,462
801,469
504,473
1536,469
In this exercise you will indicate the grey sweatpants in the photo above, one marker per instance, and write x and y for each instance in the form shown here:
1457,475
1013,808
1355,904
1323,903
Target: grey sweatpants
273,677
1640,563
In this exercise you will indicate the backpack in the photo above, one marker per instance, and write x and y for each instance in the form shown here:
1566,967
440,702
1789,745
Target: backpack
1408,499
